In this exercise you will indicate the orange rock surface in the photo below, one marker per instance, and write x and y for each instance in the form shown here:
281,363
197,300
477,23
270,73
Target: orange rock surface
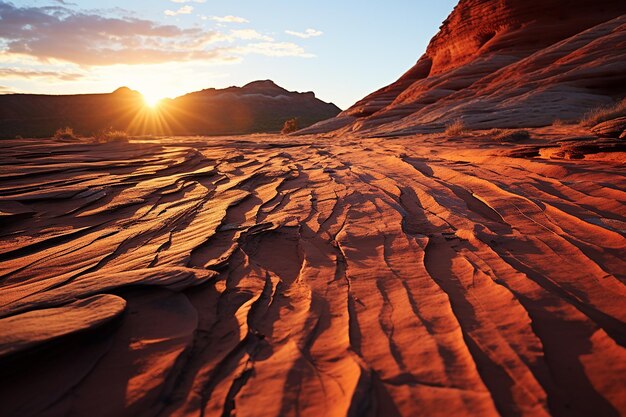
284,277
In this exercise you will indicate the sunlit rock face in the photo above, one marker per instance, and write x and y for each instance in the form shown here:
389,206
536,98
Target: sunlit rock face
503,64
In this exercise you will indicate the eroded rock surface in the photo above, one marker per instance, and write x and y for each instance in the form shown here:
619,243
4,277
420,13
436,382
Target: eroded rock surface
284,277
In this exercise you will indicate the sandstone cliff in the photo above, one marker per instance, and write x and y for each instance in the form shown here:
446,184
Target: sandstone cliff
503,64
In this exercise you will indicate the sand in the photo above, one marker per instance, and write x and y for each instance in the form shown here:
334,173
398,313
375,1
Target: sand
274,276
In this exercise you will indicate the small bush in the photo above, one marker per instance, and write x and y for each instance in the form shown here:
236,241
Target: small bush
110,135
602,114
456,128
66,133
290,126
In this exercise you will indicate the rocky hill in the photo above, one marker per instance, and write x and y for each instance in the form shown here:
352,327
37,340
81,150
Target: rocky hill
503,64
260,106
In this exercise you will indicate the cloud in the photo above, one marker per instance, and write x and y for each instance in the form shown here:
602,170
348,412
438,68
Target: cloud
65,3
87,39
26,73
250,34
183,10
229,19
188,1
277,49
56,34
309,33
5,90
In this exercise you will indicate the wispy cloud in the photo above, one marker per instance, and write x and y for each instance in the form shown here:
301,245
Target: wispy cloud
277,49
250,34
309,33
26,73
229,19
188,1
65,3
5,90
183,10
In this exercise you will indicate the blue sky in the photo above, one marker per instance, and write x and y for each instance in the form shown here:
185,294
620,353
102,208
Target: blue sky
341,50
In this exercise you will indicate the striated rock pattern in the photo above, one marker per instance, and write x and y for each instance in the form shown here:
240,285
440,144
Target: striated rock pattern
260,106
494,63
611,128
365,277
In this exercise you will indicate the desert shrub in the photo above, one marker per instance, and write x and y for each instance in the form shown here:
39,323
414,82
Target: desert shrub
456,128
65,133
509,135
290,126
602,114
111,135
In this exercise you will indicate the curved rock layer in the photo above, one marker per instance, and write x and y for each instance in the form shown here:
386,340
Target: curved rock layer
293,278
25,331
495,63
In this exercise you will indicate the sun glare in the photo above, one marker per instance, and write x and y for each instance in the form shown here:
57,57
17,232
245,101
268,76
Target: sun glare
151,100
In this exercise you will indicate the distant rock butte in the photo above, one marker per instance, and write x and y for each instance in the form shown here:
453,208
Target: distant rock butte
260,106
503,64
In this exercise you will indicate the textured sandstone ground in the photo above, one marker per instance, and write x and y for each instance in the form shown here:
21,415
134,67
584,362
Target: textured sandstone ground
309,276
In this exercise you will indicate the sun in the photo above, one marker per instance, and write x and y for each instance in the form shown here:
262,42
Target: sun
152,100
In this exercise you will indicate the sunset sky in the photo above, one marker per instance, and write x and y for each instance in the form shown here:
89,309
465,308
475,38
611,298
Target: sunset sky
341,50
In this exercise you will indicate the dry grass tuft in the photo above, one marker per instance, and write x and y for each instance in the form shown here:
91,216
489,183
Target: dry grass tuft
456,128
66,133
602,114
110,135
509,135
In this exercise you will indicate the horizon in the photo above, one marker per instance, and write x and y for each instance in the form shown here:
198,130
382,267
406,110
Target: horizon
152,103
174,47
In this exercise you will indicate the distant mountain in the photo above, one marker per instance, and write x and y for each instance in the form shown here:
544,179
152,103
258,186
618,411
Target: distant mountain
260,106
494,63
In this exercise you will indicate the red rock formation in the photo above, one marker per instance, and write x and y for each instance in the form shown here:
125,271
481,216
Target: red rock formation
504,64
292,276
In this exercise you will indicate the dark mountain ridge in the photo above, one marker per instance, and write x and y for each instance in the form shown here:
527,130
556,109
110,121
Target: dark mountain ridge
257,107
